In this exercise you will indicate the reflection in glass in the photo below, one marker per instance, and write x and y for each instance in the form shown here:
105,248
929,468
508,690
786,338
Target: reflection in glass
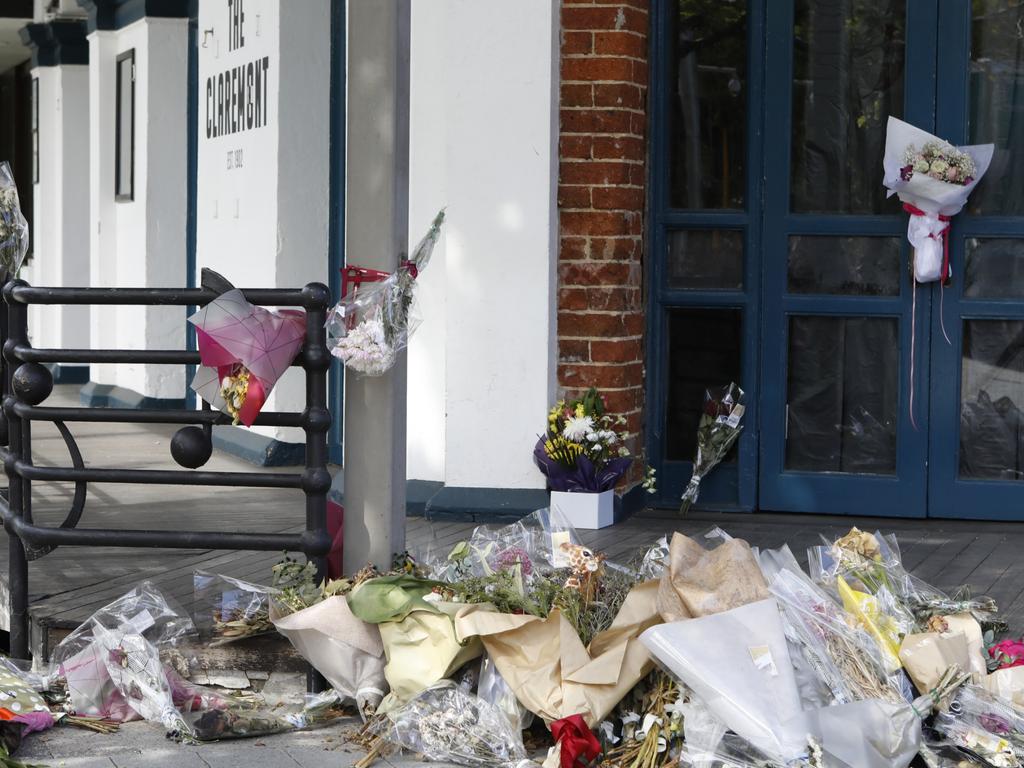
709,104
848,66
706,259
994,268
866,266
997,103
991,397
843,394
704,350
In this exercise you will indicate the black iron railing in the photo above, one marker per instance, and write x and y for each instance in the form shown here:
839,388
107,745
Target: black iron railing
27,383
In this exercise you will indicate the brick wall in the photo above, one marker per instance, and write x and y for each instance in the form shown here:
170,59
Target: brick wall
601,191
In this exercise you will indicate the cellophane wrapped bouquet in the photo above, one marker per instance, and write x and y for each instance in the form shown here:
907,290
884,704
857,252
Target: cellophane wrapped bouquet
933,178
719,428
229,609
370,325
13,226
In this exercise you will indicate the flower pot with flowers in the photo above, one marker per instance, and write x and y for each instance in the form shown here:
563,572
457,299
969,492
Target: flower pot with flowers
583,457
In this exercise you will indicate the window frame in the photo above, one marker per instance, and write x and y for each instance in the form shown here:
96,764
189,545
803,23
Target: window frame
120,194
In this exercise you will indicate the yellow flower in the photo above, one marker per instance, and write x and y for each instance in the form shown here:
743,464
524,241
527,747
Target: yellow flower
580,410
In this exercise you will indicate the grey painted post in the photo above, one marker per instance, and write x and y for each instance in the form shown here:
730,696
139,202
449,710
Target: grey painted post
376,232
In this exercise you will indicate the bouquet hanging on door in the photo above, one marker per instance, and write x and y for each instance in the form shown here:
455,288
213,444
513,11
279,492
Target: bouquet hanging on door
933,178
719,428
370,325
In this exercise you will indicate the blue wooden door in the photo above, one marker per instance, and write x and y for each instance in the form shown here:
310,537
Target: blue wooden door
845,332
976,467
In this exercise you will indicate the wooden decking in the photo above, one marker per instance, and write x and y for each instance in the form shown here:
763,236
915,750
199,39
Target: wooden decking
67,585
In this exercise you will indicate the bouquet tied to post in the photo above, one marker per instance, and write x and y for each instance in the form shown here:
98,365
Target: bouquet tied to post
371,324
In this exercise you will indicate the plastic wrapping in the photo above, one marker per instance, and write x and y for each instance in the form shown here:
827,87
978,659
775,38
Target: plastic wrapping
80,659
13,226
492,688
445,723
533,544
984,724
229,609
867,734
847,659
719,428
738,663
370,325
243,350
923,170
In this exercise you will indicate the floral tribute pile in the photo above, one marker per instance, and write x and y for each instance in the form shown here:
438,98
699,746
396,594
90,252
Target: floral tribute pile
703,652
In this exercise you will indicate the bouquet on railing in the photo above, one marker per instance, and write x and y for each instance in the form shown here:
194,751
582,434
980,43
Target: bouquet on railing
369,326
244,349
718,429
13,226
582,449
933,179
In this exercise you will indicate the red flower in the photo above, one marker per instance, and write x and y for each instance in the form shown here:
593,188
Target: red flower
1009,653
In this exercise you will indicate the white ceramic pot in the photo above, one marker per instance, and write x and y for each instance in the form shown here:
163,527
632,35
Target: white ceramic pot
585,510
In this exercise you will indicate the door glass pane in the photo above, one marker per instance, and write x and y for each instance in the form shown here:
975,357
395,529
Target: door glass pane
706,259
867,266
848,65
704,350
843,394
994,268
991,397
996,109
708,73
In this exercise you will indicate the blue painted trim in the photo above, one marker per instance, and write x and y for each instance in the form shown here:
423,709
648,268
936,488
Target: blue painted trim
95,395
484,504
418,494
56,43
336,225
68,374
116,14
730,486
258,449
193,184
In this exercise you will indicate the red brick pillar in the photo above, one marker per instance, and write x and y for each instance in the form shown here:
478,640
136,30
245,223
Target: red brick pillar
601,189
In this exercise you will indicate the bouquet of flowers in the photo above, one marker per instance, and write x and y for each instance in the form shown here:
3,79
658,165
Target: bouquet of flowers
316,619
447,724
933,179
368,328
230,609
13,226
581,450
243,349
718,430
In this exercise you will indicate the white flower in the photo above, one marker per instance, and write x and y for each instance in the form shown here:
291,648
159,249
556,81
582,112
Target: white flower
577,427
364,349
593,437
609,436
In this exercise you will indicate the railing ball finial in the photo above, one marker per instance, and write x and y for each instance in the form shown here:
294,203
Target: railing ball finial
191,447
32,383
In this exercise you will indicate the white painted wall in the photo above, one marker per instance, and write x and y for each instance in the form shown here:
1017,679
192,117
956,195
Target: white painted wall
61,227
140,242
265,223
484,142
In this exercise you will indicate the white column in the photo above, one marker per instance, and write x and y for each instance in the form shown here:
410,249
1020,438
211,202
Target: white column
142,241
485,143
376,231
61,226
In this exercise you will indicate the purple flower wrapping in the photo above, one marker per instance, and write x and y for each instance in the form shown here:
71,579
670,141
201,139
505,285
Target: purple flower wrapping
585,477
